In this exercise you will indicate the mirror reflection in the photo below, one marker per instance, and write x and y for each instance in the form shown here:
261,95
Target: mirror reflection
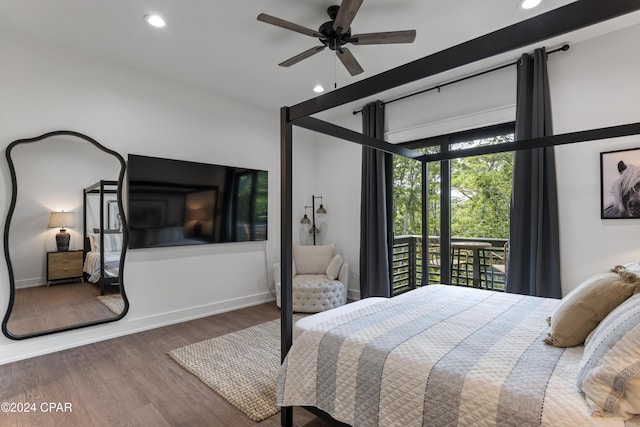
64,238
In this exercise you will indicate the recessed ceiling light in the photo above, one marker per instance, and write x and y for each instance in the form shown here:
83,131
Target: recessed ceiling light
529,4
155,20
318,89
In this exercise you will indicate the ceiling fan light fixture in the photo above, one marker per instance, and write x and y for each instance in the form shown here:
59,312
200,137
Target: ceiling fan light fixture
155,20
529,4
318,89
336,33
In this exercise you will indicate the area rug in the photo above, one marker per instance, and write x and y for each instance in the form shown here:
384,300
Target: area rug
242,367
114,303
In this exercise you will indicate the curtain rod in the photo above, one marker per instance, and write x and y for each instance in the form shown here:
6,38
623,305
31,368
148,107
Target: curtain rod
564,48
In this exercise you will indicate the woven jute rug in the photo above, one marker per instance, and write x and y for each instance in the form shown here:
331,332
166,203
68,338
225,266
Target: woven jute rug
242,367
115,303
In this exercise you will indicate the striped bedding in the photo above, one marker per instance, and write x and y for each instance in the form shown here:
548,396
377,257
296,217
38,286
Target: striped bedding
92,265
438,356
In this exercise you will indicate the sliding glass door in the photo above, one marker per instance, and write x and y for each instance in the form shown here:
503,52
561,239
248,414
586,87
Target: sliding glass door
453,225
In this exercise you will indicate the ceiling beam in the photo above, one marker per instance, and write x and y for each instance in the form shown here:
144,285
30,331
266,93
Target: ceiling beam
571,17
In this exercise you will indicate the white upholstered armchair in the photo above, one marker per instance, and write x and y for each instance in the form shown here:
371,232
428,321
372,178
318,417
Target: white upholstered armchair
320,279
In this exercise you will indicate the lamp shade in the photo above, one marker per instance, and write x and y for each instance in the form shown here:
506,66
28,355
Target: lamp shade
197,214
61,220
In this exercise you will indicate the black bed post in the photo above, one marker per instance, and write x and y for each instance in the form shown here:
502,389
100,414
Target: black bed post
102,276
286,249
425,223
84,224
445,218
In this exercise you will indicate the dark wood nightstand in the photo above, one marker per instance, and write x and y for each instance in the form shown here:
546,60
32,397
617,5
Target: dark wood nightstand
64,265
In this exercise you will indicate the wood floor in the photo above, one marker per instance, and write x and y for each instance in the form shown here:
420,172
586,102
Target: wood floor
131,381
43,308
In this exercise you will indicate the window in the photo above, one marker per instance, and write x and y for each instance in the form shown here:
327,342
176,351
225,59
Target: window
466,199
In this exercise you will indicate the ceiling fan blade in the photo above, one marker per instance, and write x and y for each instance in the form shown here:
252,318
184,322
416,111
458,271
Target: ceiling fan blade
304,55
346,13
349,61
288,25
384,38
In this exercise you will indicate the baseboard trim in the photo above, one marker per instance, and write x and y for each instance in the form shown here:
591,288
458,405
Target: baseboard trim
13,351
31,283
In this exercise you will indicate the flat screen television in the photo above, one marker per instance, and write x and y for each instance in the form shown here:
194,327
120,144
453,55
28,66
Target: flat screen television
177,203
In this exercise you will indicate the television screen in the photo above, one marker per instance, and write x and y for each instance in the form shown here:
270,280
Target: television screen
176,203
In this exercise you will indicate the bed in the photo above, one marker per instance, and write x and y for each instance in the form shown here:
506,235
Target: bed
439,355
93,265
103,238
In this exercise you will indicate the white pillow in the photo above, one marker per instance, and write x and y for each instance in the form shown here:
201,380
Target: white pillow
609,373
112,242
633,267
333,269
312,259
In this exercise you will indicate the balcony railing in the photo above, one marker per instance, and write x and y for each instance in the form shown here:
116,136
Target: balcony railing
408,266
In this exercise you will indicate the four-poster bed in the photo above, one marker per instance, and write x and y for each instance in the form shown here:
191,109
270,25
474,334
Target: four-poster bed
102,245
563,20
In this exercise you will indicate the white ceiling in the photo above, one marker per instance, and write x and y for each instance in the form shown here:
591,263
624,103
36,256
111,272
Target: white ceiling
222,47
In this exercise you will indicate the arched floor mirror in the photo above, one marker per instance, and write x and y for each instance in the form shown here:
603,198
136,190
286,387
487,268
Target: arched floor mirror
65,235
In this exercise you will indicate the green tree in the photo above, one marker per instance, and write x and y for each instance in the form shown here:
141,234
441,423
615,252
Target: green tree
480,195
407,196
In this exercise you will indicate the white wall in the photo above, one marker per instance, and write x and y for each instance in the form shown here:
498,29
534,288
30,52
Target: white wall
44,88
338,181
593,84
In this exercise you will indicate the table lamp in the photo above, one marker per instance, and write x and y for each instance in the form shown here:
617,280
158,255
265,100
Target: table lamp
62,220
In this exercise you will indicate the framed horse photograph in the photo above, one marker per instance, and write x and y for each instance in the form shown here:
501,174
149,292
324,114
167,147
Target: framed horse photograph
620,184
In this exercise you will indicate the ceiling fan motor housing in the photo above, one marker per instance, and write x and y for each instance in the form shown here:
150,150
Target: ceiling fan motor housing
331,38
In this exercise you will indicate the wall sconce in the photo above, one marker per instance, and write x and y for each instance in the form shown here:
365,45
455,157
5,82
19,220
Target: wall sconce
321,211
62,220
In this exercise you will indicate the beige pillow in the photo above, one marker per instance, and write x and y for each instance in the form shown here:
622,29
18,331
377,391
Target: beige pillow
582,309
609,373
312,259
333,269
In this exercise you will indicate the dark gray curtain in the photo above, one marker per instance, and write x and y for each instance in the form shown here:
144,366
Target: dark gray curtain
376,222
534,252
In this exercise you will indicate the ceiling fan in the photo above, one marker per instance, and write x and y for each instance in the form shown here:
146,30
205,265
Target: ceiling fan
336,33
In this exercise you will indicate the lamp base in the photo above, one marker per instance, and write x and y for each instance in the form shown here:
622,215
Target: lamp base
62,241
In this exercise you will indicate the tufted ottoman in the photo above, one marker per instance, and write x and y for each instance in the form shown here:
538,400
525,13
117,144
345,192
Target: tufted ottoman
314,293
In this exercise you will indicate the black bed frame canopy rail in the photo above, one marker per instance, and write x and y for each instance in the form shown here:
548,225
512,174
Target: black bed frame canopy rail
574,16
330,129
565,47
95,188
545,141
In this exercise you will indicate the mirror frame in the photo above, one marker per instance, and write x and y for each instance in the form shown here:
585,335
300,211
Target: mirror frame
12,206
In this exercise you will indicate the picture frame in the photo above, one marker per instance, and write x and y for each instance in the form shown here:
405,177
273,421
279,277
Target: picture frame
113,215
620,184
